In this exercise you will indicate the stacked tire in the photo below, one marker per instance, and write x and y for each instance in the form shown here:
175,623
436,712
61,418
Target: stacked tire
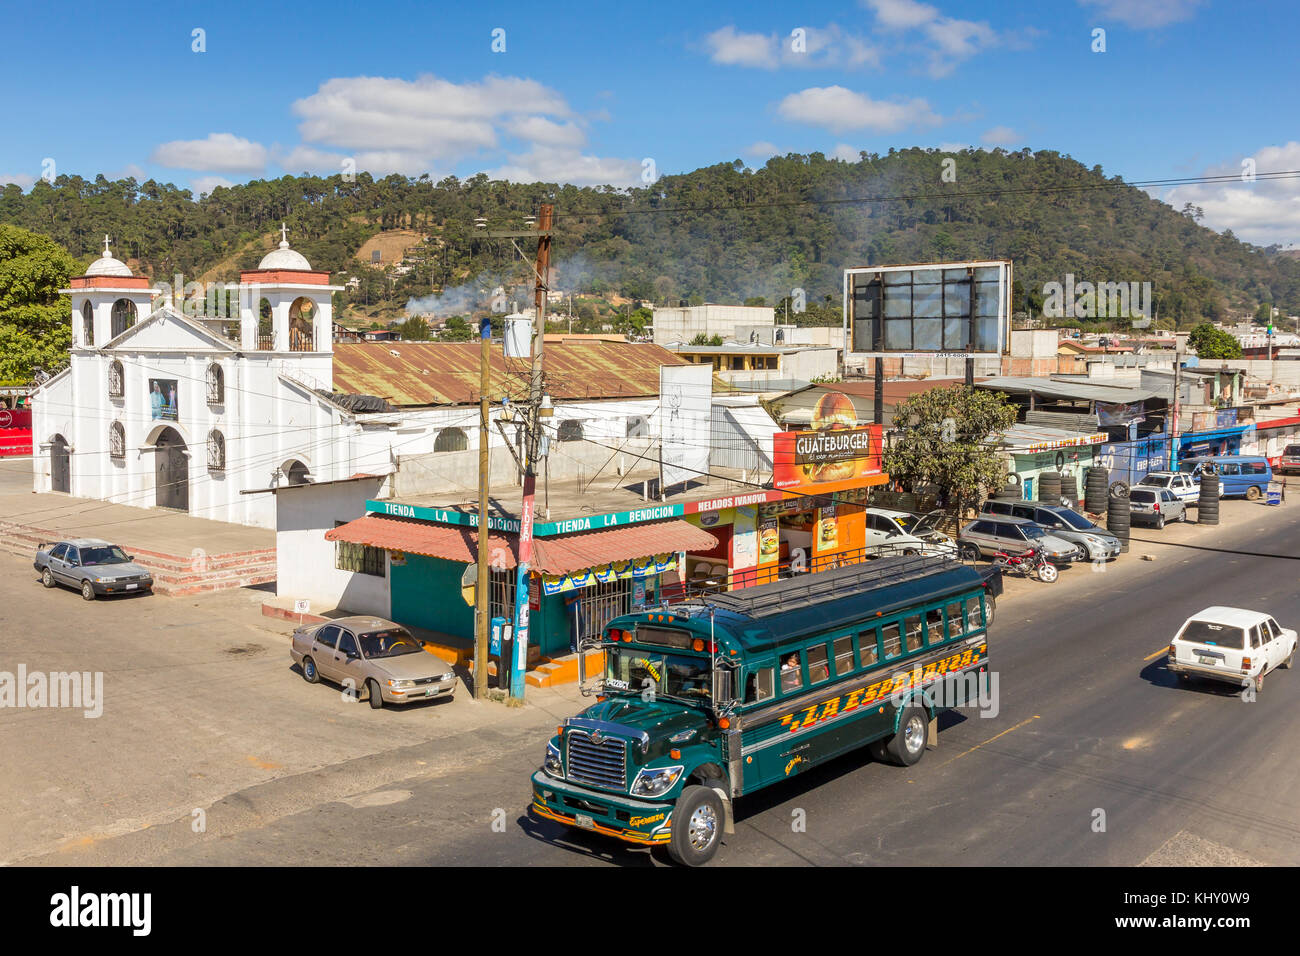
1049,487
1070,490
1095,487
1009,491
1117,519
1207,508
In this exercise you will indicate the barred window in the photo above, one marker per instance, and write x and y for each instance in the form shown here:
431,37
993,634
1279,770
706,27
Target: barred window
216,384
360,558
216,450
116,440
116,380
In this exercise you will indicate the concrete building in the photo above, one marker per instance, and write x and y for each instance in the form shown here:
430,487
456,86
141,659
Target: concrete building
683,324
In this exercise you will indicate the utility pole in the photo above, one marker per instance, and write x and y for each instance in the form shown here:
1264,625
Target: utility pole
481,592
1173,431
532,423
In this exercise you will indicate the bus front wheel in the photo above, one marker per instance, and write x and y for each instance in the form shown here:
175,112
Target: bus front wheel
698,819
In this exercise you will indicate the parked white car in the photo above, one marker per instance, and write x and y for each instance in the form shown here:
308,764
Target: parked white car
1184,487
908,534
1231,645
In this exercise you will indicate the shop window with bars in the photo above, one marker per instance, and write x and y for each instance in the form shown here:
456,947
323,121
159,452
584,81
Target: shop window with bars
116,441
359,558
591,608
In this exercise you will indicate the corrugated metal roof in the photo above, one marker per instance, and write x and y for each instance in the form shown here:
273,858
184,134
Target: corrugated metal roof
1076,391
447,373
1035,438
562,555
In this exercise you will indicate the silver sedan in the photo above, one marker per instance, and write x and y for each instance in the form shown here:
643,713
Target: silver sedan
374,655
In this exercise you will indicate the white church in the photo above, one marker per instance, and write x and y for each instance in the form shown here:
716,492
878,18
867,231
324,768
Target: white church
160,408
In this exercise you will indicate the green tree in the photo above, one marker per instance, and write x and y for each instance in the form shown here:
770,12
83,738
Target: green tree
456,330
945,440
1212,343
35,321
414,329
1264,314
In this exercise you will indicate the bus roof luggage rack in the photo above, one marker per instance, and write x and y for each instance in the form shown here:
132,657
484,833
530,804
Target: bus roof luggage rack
808,589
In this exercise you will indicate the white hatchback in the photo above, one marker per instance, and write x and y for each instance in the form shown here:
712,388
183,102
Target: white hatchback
1231,645
1183,486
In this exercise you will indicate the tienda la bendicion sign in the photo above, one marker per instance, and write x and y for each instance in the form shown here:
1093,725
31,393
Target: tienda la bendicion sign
835,449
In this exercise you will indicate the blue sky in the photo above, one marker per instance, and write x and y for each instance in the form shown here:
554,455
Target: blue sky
587,92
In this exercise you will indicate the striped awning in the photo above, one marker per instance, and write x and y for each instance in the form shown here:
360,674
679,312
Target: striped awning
560,555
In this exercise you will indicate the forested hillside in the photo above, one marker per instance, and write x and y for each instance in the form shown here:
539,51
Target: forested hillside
720,234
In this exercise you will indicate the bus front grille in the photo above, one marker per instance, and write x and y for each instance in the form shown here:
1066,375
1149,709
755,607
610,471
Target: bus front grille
603,764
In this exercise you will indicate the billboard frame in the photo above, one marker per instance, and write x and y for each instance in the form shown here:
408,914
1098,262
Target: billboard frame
1005,280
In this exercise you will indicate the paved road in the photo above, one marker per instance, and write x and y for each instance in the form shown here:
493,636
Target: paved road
1089,721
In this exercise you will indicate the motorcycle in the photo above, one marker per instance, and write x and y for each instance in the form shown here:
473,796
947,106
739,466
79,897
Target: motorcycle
1029,564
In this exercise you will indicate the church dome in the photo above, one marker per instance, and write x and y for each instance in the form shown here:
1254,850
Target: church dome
106,265
284,257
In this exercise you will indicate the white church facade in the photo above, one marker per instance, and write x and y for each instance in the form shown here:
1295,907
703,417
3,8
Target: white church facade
163,408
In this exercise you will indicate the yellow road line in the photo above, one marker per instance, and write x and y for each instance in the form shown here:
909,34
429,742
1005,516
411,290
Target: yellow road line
1163,650
991,739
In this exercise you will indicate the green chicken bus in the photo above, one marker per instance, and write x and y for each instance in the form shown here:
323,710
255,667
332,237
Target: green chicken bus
708,700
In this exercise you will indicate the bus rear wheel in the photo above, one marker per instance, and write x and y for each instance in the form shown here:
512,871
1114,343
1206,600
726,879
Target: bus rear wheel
697,826
906,747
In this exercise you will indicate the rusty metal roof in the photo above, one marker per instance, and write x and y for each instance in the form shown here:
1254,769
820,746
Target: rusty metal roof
447,373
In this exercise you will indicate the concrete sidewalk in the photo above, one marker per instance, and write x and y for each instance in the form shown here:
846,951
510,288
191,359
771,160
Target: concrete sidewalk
187,554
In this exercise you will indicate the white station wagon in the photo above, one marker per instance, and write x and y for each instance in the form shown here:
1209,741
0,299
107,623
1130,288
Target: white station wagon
1232,645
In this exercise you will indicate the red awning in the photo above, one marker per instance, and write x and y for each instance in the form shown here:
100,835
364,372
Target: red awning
563,555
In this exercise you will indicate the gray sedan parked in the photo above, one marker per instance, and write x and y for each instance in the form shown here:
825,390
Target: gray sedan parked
1061,522
93,567
370,653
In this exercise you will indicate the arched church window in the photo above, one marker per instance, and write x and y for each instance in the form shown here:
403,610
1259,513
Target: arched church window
87,325
451,439
216,384
116,379
216,451
116,441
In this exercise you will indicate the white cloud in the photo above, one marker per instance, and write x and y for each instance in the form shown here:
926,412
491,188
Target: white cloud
850,154
130,170
902,14
1000,136
839,109
952,147
822,47
309,159
761,150
223,152
559,165
1146,14
1263,212
428,117
544,132
947,40
21,180
730,48
205,184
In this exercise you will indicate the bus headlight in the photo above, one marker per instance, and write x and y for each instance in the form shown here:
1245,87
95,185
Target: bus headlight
553,766
654,781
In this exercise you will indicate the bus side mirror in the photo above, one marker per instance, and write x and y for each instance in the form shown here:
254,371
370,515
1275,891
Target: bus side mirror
721,687
584,646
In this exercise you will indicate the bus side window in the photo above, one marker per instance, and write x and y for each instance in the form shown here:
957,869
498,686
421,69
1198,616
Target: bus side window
758,685
868,648
817,667
893,642
973,619
913,630
954,620
934,626
791,673
843,655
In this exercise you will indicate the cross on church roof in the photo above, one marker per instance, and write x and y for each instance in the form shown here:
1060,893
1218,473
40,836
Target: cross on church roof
106,245
284,234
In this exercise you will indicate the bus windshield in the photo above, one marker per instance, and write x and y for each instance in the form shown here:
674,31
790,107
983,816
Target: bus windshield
666,675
